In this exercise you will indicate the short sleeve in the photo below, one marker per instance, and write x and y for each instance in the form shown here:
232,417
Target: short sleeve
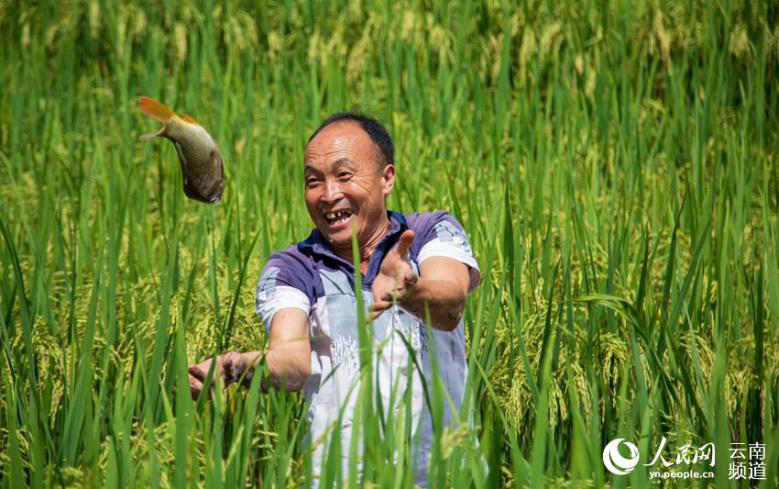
285,282
441,235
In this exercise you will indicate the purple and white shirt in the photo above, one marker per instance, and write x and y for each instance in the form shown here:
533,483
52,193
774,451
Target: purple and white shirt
310,277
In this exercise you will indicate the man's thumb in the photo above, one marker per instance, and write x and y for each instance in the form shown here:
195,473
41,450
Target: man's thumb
404,243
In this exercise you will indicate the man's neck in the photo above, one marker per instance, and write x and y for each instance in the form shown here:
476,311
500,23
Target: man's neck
367,248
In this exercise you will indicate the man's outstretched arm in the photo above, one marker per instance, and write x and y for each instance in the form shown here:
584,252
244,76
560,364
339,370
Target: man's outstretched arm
288,359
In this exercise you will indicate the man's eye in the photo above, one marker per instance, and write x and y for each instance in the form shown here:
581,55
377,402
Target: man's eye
344,175
310,182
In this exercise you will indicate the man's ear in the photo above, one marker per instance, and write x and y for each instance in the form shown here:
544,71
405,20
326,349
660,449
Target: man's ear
388,179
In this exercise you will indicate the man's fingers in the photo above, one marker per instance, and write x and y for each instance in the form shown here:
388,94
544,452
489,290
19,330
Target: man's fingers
378,308
404,243
195,386
200,370
196,372
381,306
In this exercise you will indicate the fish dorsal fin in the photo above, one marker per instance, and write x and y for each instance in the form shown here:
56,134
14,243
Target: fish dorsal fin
155,109
188,118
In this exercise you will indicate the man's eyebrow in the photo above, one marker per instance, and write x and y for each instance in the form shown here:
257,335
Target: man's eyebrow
343,161
309,168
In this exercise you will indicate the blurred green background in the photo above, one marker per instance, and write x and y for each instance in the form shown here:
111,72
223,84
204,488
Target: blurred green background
614,164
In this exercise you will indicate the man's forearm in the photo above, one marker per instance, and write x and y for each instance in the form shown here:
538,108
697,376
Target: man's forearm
287,368
444,299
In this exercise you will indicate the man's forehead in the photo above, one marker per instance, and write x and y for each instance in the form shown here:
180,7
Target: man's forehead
338,140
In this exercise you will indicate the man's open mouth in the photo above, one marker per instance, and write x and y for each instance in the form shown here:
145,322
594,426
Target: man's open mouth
337,217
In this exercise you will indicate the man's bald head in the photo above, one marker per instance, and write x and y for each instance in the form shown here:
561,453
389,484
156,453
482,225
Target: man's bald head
375,130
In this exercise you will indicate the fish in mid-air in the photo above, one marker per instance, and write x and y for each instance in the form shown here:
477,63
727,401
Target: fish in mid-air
201,163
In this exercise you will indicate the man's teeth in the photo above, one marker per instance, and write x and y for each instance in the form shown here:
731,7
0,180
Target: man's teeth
338,216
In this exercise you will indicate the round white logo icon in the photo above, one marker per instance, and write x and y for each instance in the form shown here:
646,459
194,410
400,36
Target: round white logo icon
615,462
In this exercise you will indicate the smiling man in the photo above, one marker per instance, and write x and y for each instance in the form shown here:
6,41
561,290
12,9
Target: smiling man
306,297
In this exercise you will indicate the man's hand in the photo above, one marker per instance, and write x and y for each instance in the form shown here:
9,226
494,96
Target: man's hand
229,367
396,279
439,290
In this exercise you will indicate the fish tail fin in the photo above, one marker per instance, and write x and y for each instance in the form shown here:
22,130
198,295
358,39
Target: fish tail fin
155,109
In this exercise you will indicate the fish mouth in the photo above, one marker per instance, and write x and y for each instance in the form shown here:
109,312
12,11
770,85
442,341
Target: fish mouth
337,217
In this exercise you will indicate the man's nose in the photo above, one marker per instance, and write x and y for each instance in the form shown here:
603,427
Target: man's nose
332,192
